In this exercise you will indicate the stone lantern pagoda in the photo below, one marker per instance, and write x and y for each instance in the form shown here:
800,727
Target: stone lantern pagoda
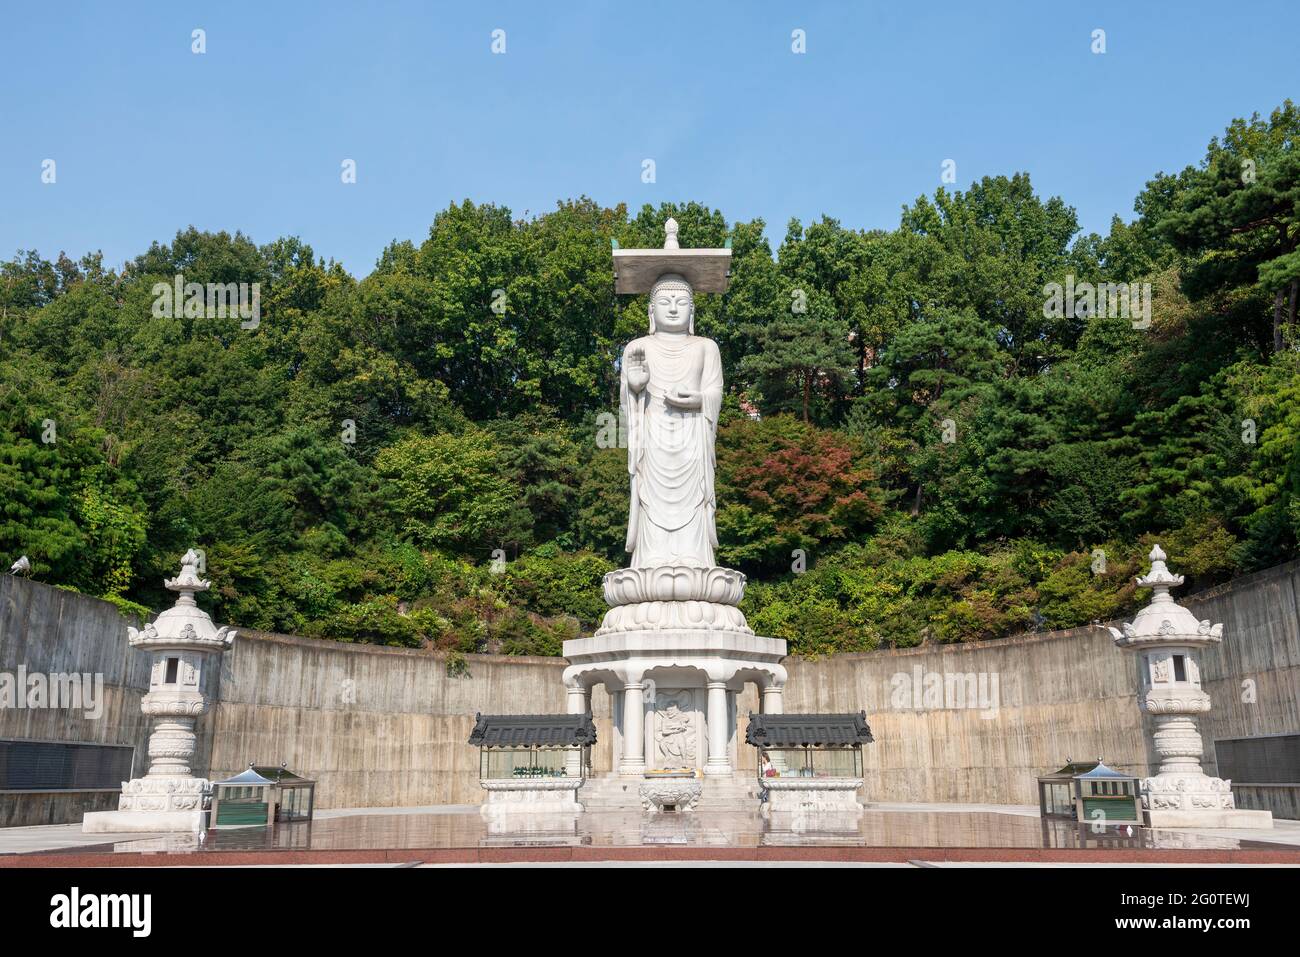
180,640
1169,640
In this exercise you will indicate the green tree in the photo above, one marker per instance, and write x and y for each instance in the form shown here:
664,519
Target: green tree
1237,218
785,485
446,491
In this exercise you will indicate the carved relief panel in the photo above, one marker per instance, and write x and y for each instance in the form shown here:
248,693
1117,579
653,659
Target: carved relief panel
1160,673
675,730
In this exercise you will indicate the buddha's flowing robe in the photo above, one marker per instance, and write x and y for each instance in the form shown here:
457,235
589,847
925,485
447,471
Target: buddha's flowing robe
670,453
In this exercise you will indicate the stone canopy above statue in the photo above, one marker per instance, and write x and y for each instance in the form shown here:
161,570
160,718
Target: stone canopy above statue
636,270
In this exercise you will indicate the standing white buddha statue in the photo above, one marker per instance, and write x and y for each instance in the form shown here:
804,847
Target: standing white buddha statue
674,646
670,395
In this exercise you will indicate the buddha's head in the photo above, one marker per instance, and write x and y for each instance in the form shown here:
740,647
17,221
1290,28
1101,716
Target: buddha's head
672,305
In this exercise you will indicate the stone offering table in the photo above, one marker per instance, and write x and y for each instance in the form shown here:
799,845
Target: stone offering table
812,795
543,796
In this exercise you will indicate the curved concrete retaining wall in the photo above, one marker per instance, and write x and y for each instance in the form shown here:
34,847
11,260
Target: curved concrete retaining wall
1061,694
374,726
382,726
47,631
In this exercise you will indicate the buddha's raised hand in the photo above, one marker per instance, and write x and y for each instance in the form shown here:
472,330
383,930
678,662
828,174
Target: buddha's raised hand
638,373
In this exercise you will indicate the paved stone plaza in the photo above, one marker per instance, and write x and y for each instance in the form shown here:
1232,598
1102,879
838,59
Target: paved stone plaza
457,834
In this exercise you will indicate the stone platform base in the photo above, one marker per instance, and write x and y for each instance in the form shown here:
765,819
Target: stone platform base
162,803
544,797
143,822
828,796
1208,817
1195,800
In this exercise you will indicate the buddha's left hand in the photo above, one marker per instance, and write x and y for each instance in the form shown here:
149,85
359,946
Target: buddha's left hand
684,398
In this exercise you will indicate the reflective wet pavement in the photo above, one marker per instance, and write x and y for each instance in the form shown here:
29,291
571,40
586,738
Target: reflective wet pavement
876,828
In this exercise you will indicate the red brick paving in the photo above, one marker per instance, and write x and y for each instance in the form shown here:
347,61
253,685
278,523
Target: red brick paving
514,855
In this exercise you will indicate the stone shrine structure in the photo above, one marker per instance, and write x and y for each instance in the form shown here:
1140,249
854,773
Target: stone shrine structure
169,797
674,650
1169,638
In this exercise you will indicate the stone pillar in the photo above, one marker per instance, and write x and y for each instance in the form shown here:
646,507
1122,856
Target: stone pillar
718,762
733,722
172,744
1178,742
633,763
616,699
575,703
774,703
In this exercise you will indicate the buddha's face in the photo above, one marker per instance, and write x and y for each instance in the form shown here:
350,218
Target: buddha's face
671,307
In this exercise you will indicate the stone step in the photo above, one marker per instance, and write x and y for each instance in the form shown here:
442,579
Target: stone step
608,792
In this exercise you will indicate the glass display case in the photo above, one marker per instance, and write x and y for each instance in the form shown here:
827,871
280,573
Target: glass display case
533,762
811,762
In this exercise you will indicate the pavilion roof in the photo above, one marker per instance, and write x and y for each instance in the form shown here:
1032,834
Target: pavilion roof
808,730
532,730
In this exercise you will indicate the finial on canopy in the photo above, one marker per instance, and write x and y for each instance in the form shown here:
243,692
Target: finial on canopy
670,234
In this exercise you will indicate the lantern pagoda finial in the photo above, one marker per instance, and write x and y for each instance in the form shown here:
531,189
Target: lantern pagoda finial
188,581
1159,576
1163,621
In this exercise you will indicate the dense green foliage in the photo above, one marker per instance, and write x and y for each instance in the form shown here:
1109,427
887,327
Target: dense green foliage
415,457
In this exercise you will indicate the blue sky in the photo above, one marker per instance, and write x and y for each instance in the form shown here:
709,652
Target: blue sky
149,138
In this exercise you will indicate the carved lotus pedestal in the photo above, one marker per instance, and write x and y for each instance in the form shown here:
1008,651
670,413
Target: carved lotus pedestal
674,597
